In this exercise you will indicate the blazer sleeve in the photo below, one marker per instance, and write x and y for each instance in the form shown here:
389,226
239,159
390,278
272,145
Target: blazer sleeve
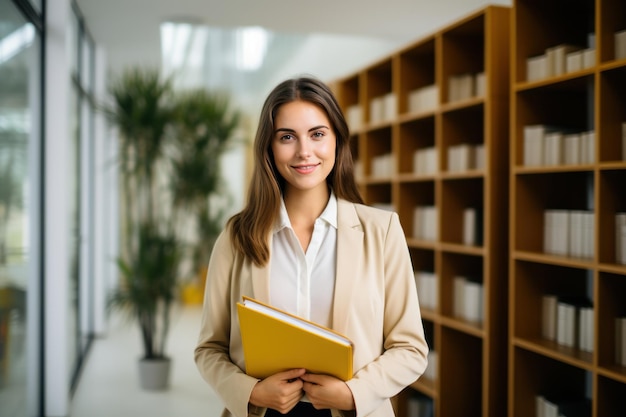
213,351
404,349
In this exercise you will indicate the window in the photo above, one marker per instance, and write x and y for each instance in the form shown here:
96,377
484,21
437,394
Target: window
20,138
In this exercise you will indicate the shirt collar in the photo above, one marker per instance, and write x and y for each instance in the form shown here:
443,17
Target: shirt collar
329,215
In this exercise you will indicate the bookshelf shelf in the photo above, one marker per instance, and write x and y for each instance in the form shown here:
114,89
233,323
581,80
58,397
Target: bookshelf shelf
426,386
616,373
420,244
552,259
549,276
555,351
469,174
445,124
378,180
430,315
468,103
414,178
612,268
462,249
416,115
553,169
463,326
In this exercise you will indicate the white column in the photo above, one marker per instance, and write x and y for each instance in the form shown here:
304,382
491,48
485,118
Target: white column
34,293
86,238
56,211
103,227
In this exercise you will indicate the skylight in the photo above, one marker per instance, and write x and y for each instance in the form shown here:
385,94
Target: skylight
251,44
187,46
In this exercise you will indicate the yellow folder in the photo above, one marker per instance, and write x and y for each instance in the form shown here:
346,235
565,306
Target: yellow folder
274,341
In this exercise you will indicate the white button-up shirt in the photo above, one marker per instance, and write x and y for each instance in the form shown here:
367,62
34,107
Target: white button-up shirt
303,283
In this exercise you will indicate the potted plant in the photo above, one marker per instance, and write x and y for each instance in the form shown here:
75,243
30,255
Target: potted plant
147,291
170,146
150,257
205,125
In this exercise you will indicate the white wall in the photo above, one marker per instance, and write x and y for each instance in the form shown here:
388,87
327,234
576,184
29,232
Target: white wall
330,57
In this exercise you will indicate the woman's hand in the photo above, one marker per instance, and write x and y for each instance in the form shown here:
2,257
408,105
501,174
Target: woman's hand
280,392
327,392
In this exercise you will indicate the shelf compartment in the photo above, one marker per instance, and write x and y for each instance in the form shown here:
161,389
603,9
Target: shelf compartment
540,25
612,115
463,55
378,144
534,280
422,259
611,296
410,196
402,407
378,195
566,106
348,91
356,158
426,279
429,379
417,135
535,375
378,83
535,193
457,196
429,334
461,373
612,200
417,71
610,397
613,17
463,126
453,297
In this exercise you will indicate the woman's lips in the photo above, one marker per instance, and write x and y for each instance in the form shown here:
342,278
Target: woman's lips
304,169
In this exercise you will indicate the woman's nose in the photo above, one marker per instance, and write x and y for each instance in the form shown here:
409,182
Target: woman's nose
304,149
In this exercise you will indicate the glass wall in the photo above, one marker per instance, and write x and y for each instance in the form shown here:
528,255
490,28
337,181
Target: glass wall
20,283
22,252
81,186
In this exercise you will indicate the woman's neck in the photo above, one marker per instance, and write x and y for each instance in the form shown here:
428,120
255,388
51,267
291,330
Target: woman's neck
303,207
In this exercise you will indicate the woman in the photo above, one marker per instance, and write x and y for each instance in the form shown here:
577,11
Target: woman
305,243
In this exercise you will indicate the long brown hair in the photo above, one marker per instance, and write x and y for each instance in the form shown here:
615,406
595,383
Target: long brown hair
250,228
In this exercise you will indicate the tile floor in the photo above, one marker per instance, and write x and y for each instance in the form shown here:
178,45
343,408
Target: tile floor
109,384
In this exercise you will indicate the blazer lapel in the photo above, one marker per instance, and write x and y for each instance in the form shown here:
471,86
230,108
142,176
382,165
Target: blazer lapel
349,257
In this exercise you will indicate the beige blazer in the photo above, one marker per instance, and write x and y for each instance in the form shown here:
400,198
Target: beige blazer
375,305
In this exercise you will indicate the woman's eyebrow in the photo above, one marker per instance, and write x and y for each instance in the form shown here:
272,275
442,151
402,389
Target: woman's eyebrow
289,130
284,129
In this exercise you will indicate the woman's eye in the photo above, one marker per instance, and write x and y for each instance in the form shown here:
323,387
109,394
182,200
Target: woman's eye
286,137
318,134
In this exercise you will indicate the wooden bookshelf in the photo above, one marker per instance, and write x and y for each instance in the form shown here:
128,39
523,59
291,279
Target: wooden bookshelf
470,369
591,98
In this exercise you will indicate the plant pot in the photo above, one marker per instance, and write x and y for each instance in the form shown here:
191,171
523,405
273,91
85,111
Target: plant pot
154,374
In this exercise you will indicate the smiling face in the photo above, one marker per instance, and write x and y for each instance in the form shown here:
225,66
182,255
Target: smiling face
303,146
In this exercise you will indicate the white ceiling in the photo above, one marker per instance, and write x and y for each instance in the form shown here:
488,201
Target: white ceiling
128,30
